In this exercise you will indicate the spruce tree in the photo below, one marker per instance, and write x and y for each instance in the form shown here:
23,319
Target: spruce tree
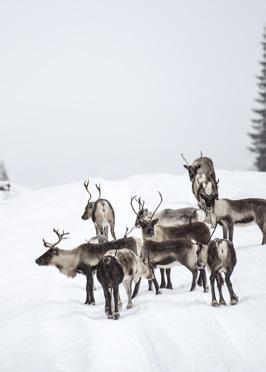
259,122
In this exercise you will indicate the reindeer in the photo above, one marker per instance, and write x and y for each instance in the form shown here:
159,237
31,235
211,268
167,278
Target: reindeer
170,253
220,257
168,217
101,212
174,232
110,275
197,231
239,212
84,258
202,165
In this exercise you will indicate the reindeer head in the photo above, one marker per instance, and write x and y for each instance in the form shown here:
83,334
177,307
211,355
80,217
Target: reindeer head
143,214
53,252
147,227
90,205
192,169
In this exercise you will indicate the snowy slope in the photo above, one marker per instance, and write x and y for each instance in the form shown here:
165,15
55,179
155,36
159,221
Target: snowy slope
46,327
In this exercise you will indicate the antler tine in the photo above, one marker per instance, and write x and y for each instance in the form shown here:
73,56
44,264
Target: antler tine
60,236
46,244
86,185
131,203
157,205
128,231
200,153
182,156
98,187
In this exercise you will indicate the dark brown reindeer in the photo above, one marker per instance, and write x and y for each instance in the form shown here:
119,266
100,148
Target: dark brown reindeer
101,212
219,257
84,258
157,231
197,232
239,212
116,267
202,165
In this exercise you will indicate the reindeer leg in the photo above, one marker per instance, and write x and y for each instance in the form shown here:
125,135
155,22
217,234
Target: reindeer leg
230,229
136,289
194,279
150,285
219,284
108,304
225,230
200,278
163,284
112,228
89,286
156,285
214,301
204,280
233,296
168,275
128,288
97,230
116,293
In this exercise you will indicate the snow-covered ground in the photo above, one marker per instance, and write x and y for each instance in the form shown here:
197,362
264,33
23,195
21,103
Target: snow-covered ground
46,327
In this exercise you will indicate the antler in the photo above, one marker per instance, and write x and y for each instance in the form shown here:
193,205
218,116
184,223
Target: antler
98,187
200,153
157,205
182,156
60,236
128,231
141,203
131,203
86,185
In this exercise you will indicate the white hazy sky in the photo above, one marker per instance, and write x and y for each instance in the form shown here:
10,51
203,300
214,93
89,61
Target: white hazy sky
113,88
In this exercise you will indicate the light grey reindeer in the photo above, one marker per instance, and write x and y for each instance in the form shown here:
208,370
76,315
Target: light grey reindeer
202,165
84,258
168,217
240,212
101,212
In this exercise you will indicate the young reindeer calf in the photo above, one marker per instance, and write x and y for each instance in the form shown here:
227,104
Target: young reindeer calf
220,257
115,267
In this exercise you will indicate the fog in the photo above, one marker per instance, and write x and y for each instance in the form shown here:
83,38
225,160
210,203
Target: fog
114,88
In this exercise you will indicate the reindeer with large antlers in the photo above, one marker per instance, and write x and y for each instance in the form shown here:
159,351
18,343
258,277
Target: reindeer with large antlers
85,258
101,212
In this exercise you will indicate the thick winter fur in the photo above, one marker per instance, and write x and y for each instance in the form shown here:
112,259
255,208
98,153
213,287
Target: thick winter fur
173,217
205,189
102,214
133,268
202,165
110,274
196,231
84,259
171,253
220,257
239,212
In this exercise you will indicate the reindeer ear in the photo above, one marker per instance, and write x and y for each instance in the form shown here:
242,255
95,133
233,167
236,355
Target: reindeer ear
155,221
185,166
56,251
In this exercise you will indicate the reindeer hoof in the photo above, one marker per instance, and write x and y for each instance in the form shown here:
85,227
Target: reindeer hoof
129,306
234,301
206,289
116,316
215,303
222,302
109,316
169,286
90,302
162,285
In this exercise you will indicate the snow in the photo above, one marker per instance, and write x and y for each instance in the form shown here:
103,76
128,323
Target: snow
46,327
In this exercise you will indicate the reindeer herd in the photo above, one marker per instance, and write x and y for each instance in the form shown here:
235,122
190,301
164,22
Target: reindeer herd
170,237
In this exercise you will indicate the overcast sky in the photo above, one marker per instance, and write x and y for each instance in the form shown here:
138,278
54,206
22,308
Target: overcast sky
114,88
